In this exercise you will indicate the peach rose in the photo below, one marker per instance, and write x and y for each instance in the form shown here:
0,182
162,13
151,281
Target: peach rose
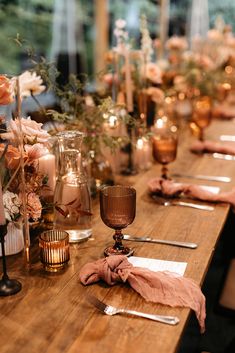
176,43
152,72
32,131
35,151
34,207
6,90
12,156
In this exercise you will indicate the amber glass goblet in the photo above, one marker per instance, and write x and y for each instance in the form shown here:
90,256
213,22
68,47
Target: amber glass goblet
117,210
165,143
201,115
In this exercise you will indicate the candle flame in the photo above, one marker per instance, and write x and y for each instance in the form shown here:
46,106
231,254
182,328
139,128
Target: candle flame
140,144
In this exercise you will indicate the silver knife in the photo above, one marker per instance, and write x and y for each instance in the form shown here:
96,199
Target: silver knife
223,179
227,157
227,138
161,241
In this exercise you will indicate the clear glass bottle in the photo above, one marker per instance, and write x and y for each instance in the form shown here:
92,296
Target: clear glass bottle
72,201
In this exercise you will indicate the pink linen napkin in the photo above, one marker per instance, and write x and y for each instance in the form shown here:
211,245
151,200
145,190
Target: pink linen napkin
158,287
171,188
211,147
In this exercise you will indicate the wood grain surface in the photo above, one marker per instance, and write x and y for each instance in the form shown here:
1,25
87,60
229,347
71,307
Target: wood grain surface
51,313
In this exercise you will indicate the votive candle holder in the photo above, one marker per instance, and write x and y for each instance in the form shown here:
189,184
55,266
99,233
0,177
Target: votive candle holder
54,249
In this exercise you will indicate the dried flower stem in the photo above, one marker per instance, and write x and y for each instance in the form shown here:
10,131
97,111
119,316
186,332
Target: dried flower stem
24,197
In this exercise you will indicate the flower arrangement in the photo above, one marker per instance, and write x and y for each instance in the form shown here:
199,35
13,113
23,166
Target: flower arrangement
135,77
34,145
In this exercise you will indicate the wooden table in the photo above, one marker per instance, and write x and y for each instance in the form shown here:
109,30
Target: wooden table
51,313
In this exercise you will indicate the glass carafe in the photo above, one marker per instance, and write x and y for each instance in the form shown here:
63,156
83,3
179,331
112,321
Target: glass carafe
72,201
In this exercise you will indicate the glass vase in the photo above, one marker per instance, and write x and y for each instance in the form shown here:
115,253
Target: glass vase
72,201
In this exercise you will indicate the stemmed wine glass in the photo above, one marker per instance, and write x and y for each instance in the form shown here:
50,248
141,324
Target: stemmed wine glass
165,141
117,210
201,116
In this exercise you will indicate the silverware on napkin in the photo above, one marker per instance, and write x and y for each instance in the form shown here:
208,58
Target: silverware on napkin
160,241
227,138
182,203
223,179
227,157
111,310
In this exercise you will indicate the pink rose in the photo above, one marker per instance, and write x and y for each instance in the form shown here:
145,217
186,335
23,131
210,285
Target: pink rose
31,130
152,72
34,207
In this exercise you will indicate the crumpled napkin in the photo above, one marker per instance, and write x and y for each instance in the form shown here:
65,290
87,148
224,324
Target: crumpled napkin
211,147
158,287
171,188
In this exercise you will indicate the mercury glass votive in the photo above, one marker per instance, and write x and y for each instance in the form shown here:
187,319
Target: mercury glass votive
54,249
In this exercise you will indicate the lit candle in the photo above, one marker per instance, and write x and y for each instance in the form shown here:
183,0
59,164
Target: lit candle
46,166
143,154
2,212
54,249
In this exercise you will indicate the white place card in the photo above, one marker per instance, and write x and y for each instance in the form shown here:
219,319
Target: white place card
158,265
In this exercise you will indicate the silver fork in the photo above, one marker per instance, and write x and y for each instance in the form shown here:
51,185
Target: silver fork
188,204
111,310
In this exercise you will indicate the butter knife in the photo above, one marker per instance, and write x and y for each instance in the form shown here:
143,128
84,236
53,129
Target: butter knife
227,157
223,179
160,241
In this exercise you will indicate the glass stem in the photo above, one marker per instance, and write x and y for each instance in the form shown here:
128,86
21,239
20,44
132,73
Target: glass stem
201,135
164,172
118,236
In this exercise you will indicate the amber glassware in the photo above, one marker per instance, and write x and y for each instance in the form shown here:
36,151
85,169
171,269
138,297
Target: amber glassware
54,249
201,115
165,141
117,210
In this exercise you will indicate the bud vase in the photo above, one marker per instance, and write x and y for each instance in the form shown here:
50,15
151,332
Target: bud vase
14,239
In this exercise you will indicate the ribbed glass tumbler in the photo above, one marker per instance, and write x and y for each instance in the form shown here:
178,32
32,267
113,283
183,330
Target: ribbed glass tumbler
54,249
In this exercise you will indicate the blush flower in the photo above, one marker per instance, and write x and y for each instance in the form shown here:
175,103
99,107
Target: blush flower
29,83
177,43
31,130
152,73
35,151
34,207
12,156
11,203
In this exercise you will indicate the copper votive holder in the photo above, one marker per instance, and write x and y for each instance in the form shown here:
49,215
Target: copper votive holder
54,249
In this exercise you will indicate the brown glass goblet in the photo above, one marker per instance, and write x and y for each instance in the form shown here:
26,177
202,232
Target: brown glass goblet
201,115
117,210
165,149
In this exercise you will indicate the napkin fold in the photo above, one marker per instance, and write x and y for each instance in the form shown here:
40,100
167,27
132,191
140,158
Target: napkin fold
211,147
158,287
171,188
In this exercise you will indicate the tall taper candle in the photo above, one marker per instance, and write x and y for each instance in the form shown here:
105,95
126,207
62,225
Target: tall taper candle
129,93
2,212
